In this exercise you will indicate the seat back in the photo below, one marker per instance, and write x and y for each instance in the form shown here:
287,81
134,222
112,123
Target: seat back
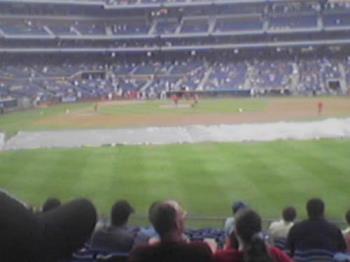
112,257
313,255
280,243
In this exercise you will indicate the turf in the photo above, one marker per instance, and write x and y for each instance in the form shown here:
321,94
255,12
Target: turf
26,120
122,114
44,118
206,106
206,178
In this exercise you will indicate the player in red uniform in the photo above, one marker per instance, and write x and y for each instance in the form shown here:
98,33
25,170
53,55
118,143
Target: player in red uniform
175,99
320,107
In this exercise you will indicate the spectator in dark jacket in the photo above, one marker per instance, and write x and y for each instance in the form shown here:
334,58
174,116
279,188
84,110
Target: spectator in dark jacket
315,232
118,237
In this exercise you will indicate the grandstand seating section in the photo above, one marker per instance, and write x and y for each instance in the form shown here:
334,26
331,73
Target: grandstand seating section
88,254
192,25
48,27
79,81
294,16
74,79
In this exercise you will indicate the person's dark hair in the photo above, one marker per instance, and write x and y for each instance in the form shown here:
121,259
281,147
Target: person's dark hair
151,211
248,227
121,211
315,208
233,241
51,203
347,217
237,206
289,214
164,218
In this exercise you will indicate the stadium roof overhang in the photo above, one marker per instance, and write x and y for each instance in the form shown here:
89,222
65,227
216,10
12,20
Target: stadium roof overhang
106,6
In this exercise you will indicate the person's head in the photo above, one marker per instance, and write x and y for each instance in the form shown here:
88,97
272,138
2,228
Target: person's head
121,211
248,224
151,211
347,217
315,208
248,229
51,203
168,219
289,214
237,206
181,214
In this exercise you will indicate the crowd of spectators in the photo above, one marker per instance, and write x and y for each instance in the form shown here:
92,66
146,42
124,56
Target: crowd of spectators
71,231
151,78
279,18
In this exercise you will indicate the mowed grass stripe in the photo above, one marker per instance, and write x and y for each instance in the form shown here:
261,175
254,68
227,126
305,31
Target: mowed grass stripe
329,176
262,175
312,174
27,120
141,178
195,177
205,177
94,175
286,180
205,106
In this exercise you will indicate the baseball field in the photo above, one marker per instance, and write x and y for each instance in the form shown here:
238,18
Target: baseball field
205,178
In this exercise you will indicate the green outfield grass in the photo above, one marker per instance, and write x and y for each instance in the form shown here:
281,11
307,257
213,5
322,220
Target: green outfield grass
206,106
206,178
135,114
13,122
30,120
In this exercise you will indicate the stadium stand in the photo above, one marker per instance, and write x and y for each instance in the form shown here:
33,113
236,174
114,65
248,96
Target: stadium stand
315,239
63,233
117,237
278,230
70,50
92,50
346,232
47,236
77,81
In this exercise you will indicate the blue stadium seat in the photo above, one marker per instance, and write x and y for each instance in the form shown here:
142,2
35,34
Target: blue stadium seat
281,243
342,257
313,255
112,257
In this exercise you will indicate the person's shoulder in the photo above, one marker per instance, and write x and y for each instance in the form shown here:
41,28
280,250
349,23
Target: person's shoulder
346,231
141,253
198,245
278,255
124,231
101,232
228,255
332,225
276,223
328,226
301,224
198,250
229,220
